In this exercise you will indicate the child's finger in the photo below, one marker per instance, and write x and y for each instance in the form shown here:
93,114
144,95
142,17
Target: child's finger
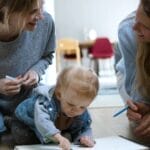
87,141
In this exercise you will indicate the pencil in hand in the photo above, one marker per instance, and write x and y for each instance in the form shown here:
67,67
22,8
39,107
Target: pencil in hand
121,111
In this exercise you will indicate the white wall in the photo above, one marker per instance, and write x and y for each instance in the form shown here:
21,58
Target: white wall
49,7
49,77
72,17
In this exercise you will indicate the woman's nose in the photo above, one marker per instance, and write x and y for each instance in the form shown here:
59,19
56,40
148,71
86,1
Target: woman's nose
39,15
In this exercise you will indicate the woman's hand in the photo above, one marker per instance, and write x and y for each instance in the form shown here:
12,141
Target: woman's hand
10,87
87,141
133,111
137,110
63,142
31,78
140,113
143,129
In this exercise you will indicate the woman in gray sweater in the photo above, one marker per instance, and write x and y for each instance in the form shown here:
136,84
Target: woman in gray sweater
27,43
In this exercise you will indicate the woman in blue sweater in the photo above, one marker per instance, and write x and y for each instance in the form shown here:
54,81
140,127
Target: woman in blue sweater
133,69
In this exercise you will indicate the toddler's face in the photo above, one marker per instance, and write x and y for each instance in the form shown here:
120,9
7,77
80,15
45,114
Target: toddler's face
73,104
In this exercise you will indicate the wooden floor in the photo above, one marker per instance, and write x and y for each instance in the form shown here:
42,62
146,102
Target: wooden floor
104,124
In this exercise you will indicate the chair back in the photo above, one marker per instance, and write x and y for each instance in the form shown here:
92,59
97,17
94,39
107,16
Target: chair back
67,46
102,48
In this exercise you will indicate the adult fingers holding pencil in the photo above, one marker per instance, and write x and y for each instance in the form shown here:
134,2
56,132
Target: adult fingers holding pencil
133,111
139,112
10,86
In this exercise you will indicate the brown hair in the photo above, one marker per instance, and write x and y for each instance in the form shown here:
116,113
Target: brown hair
83,81
2,10
21,6
142,60
146,6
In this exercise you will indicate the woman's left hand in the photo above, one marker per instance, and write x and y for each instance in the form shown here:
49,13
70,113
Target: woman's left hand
143,129
139,112
31,78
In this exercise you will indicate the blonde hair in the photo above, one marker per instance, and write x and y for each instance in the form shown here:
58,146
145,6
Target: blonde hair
21,8
142,60
83,81
143,69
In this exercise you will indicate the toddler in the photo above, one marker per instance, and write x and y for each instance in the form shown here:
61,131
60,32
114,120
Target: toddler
60,112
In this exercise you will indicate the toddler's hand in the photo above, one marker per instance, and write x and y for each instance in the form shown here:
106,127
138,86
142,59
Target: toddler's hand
63,142
87,141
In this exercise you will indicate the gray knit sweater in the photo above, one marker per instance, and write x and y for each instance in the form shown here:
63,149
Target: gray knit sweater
31,50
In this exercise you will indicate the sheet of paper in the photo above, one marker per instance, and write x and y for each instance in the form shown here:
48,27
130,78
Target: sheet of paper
46,147
107,143
117,143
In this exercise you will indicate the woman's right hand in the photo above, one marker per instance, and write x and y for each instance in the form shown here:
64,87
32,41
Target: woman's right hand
10,87
136,110
132,113
63,142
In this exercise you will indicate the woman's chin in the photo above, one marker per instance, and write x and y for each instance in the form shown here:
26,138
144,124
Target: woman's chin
30,27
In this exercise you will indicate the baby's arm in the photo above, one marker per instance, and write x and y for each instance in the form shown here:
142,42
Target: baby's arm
43,122
85,137
47,129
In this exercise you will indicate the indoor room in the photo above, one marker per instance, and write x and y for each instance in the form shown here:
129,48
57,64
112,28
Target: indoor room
86,33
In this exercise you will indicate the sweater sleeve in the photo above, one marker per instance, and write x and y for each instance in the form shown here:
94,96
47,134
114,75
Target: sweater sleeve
43,122
126,65
47,56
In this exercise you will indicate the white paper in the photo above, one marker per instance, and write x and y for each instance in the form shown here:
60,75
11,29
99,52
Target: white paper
107,143
117,143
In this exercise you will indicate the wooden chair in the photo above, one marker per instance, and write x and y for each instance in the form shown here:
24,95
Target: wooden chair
67,47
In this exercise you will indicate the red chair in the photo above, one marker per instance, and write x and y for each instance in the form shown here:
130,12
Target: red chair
101,50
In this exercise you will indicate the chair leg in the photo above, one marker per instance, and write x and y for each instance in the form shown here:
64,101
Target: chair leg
78,57
94,64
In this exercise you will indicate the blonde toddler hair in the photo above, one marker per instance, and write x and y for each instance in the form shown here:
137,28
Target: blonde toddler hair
82,80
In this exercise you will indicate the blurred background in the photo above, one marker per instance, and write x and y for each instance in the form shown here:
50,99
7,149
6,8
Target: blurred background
86,34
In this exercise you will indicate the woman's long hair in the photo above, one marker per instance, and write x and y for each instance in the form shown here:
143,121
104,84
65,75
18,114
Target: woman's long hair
143,69
21,8
143,60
